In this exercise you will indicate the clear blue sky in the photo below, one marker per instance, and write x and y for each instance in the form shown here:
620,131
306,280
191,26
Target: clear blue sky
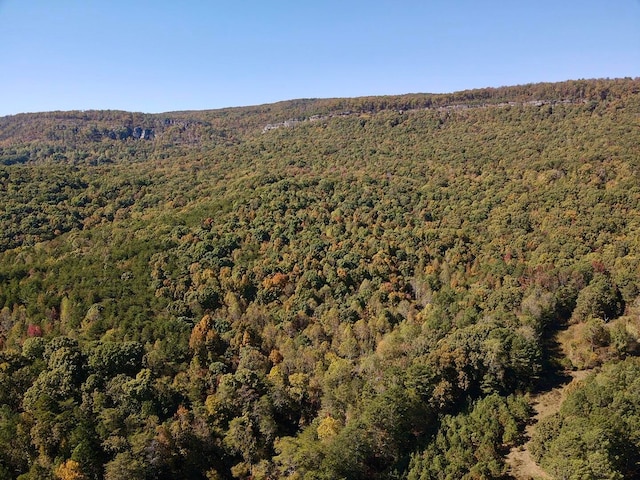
156,56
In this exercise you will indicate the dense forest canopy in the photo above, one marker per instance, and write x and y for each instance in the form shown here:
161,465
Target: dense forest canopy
322,289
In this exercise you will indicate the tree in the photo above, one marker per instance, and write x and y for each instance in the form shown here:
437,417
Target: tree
600,299
69,470
124,467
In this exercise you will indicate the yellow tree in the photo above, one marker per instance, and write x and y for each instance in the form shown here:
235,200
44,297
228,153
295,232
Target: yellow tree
69,470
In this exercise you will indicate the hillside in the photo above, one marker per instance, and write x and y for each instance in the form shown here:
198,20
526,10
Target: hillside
342,288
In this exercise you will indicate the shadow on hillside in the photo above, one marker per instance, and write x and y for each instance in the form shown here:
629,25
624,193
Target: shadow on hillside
554,363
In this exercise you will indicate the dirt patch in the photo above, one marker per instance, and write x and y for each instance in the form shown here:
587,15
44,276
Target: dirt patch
522,466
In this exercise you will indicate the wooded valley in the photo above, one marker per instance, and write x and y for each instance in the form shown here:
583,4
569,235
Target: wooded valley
368,288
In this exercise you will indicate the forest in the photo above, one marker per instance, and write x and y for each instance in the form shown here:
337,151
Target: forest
364,288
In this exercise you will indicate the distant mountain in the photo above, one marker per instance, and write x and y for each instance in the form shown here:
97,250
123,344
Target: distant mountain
211,125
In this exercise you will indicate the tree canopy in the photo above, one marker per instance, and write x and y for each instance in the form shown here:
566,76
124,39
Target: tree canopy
341,288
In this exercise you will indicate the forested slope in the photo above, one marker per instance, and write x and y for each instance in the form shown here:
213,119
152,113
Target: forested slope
353,292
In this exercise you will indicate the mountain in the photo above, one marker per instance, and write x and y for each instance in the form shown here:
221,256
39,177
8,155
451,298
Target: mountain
321,288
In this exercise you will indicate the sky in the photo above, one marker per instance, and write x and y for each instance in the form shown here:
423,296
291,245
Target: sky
156,56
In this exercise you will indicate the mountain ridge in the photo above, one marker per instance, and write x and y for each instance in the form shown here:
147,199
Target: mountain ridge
13,127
